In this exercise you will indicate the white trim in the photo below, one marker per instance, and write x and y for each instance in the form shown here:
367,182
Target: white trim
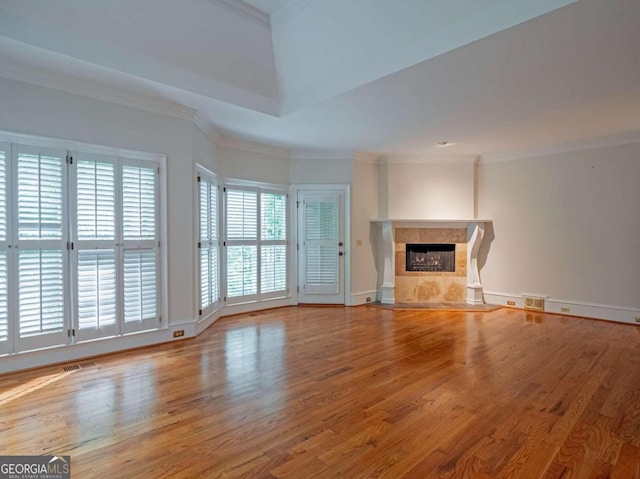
628,138
244,10
621,314
318,154
202,122
86,349
208,320
251,146
359,298
239,308
366,157
427,159
288,12
49,142
98,91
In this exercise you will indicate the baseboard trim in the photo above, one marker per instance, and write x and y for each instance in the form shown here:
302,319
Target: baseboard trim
231,309
356,299
618,314
98,347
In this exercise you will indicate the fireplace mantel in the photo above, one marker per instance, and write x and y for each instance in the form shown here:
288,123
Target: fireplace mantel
475,234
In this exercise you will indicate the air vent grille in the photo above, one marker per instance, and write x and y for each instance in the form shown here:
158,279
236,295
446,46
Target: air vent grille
68,369
533,303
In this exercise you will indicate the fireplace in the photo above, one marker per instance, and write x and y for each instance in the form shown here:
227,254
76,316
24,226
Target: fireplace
437,257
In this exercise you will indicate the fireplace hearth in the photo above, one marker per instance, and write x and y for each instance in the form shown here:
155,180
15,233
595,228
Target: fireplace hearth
431,257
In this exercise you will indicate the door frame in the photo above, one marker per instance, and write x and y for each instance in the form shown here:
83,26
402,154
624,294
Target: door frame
314,188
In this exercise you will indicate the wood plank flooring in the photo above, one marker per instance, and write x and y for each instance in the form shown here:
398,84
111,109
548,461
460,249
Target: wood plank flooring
346,392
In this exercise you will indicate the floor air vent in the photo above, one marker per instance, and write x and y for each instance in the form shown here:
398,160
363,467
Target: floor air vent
68,369
533,303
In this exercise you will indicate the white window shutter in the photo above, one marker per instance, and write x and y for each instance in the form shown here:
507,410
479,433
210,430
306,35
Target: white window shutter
273,221
208,241
95,199
4,278
140,285
96,290
321,228
42,255
273,268
138,202
140,246
242,214
205,277
40,202
3,197
4,293
41,291
242,271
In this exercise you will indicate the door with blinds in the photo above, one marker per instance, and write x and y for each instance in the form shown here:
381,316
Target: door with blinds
321,247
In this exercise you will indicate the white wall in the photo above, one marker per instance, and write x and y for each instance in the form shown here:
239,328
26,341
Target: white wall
252,166
566,226
40,111
427,191
319,171
364,208
204,150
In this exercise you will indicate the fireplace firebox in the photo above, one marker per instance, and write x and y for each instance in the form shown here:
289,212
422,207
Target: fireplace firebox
431,257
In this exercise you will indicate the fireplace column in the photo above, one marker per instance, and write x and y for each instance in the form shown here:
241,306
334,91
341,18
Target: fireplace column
389,265
474,287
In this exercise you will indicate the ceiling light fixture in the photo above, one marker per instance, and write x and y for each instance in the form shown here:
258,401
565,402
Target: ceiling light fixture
442,144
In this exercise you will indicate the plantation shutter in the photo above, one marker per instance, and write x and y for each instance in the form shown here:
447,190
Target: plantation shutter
273,244
4,255
321,245
95,251
40,182
208,242
242,243
139,245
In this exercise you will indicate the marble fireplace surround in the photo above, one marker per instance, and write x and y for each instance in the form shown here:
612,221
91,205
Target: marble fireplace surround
390,248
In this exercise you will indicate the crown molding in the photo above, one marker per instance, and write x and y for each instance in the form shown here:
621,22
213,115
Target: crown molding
251,146
319,154
100,91
427,160
203,123
288,12
244,10
627,138
366,157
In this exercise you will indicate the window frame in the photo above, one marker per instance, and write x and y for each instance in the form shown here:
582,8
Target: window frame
258,242
203,175
10,142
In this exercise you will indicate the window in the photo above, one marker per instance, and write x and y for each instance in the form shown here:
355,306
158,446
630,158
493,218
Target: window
256,244
79,251
208,244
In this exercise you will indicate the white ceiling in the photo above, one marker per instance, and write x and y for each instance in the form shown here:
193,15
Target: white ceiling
492,76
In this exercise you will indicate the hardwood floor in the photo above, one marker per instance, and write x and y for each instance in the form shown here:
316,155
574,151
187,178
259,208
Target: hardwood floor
346,392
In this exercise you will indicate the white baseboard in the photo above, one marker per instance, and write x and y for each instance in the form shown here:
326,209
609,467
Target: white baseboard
231,309
98,347
567,307
208,320
356,299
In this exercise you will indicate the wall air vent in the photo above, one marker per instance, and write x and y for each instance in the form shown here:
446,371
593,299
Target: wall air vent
533,303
